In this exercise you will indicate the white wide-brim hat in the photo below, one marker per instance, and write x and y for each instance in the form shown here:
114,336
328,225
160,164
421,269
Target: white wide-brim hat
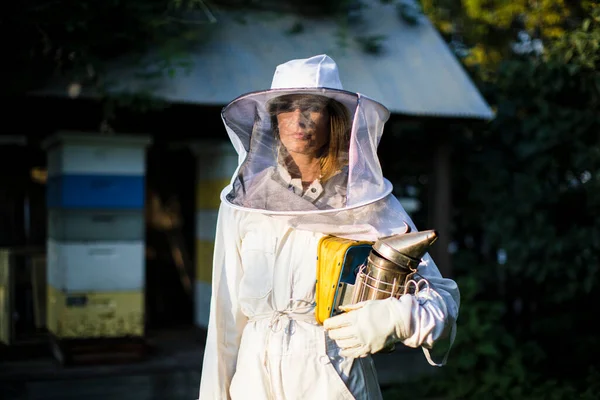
316,75
249,125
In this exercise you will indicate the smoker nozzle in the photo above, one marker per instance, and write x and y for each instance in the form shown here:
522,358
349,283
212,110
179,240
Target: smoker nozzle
405,250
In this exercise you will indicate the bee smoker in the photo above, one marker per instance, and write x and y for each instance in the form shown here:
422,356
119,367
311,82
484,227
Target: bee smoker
391,266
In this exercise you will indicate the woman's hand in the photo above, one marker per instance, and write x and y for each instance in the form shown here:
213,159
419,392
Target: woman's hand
369,326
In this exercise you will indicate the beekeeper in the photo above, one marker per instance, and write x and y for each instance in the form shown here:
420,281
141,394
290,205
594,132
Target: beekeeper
308,167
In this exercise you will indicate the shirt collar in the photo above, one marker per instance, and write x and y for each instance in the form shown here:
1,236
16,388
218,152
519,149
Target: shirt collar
311,193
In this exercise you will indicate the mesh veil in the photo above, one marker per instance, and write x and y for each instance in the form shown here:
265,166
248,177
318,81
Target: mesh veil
366,211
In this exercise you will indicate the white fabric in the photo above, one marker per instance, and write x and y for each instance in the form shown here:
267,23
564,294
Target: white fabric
368,327
276,183
318,71
263,342
249,125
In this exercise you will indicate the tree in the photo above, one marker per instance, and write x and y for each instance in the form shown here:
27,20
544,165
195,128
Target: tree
486,32
78,40
45,39
529,241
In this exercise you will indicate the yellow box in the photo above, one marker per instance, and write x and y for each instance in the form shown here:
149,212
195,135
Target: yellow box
4,267
95,314
208,193
204,260
334,257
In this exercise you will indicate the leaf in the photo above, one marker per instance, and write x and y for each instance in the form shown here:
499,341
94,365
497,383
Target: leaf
586,25
487,349
297,27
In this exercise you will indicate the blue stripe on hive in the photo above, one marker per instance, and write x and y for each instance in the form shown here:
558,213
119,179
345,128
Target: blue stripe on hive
96,191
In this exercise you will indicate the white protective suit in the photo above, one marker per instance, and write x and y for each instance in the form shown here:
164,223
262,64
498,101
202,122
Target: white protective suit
263,340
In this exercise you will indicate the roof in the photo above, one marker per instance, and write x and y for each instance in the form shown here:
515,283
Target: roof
415,74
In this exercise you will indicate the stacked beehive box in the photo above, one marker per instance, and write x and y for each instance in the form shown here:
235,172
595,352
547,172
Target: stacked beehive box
96,235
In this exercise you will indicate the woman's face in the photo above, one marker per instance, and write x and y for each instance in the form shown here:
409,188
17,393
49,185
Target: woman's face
303,132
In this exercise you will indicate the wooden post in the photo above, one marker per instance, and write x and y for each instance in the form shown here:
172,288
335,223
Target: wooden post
440,205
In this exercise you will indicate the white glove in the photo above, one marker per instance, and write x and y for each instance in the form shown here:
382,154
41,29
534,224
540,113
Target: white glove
369,326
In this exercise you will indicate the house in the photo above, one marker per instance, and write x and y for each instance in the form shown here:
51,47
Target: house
407,66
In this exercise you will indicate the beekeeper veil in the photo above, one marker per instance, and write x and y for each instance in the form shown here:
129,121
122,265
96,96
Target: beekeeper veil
307,119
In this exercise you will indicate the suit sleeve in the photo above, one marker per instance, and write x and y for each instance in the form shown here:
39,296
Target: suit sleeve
226,321
433,312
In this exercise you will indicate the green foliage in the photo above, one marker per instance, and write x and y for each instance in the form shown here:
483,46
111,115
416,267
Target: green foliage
347,14
534,177
489,27
297,28
301,7
581,49
488,362
65,35
81,40
372,44
44,41
409,11
529,188
546,174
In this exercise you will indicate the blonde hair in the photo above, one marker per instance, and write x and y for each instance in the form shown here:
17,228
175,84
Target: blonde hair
334,154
